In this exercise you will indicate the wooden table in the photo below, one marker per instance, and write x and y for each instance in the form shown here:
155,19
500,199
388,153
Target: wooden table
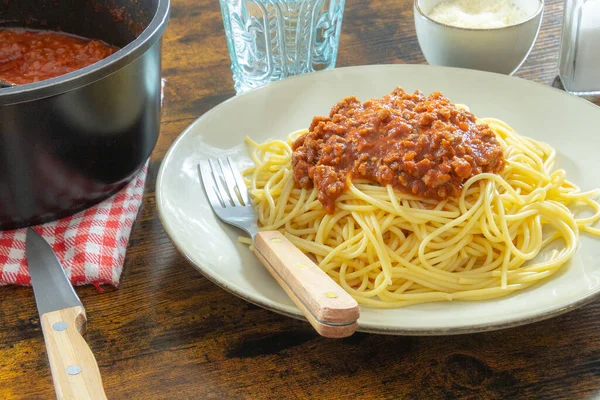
168,332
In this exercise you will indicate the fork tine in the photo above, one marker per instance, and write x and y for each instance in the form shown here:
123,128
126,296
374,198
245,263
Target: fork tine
241,185
209,185
217,175
230,181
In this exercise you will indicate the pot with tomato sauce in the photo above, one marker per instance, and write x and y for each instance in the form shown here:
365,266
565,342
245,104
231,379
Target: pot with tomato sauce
82,114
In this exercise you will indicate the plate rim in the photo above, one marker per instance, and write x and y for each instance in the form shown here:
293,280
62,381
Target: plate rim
363,327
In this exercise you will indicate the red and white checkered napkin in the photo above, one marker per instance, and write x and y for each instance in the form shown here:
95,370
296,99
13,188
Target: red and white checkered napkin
90,245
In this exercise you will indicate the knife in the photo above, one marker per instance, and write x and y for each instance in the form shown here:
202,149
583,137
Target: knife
62,317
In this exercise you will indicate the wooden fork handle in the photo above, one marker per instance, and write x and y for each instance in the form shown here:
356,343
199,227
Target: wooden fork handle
328,307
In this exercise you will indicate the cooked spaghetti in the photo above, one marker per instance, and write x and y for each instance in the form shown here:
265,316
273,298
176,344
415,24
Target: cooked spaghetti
391,247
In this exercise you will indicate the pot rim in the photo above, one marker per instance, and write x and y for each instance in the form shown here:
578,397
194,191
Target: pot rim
94,72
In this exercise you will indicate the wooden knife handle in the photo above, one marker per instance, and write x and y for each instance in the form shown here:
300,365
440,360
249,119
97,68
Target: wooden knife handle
328,307
74,369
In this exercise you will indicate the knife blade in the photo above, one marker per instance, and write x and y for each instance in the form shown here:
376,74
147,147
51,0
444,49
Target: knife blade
74,369
51,288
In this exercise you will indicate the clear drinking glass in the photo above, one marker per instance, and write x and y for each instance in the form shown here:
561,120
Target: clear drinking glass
273,39
579,65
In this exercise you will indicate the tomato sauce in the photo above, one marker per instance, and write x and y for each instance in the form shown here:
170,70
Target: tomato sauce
30,56
424,146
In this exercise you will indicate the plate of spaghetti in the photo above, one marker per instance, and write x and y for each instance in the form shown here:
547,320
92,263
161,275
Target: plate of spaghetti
443,200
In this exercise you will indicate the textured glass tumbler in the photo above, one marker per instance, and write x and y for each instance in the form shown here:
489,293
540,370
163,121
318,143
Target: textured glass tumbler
270,40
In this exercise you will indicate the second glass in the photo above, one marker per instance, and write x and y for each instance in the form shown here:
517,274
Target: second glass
270,40
579,65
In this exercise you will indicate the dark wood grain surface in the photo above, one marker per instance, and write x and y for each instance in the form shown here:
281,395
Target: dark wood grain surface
169,333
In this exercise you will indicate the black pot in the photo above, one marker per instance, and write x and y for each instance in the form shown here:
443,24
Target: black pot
69,142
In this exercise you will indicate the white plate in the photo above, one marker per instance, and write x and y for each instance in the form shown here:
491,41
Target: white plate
543,113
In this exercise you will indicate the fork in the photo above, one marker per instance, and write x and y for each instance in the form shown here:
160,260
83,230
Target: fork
331,311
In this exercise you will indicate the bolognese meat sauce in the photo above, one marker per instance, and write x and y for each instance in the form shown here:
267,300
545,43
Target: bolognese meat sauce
424,146
31,56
